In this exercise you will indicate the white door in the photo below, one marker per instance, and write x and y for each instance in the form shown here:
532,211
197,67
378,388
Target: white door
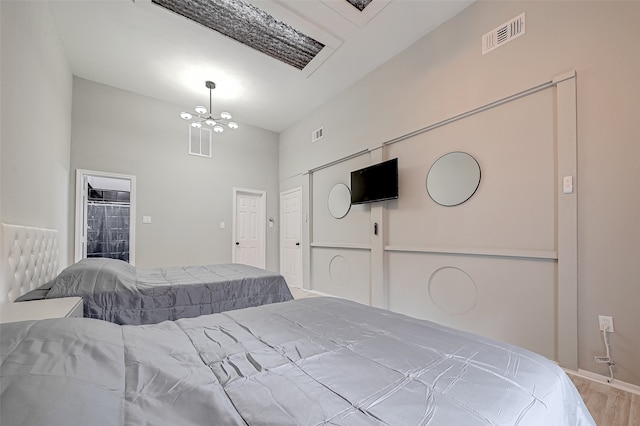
290,236
249,245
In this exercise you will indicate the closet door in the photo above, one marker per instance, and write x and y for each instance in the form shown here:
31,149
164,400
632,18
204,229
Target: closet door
291,236
249,227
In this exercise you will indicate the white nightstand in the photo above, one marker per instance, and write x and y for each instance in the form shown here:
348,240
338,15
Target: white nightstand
70,307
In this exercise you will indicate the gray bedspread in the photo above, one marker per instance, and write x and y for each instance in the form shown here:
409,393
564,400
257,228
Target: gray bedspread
315,361
115,291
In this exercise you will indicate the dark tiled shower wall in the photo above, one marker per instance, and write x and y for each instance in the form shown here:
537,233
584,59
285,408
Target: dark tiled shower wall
108,231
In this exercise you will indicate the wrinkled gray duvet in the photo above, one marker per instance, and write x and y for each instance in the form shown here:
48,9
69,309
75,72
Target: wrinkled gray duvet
115,291
315,361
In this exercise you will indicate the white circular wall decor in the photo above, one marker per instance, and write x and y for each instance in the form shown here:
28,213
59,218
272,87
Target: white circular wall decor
339,201
339,271
453,179
452,290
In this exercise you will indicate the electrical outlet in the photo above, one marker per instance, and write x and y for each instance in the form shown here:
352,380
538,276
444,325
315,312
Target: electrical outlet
603,359
606,323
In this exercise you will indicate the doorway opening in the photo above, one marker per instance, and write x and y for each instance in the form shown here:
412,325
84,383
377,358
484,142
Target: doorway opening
105,216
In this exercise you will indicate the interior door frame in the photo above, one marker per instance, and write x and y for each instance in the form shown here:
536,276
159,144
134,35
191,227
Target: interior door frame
262,220
80,211
282,229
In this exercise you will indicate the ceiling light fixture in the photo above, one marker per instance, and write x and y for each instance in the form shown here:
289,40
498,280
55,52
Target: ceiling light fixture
203,115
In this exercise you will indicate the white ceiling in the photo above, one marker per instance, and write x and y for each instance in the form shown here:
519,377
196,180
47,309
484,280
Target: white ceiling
140,47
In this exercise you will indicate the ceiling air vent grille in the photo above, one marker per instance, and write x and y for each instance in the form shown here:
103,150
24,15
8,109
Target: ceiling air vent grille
503,34
317,135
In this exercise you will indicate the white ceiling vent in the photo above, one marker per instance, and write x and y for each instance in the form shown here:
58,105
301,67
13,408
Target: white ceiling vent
317,135
503,34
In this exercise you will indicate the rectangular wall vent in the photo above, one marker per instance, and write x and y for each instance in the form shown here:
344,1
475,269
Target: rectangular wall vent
317,135
503,34
200,141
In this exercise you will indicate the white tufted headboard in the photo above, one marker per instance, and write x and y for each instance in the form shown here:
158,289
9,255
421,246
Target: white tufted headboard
28,259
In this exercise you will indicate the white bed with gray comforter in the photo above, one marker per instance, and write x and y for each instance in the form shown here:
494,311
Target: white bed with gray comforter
315,361
115,291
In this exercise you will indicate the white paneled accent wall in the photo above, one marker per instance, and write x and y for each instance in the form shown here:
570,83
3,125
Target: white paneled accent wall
340,248
489,265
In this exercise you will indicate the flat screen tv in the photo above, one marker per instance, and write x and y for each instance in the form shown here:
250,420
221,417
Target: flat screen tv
375,183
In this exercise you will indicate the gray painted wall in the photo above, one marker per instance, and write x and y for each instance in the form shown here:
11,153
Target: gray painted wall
36,120
444,74
186,196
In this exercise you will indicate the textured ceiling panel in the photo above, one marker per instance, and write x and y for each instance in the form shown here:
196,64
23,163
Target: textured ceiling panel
359,4
251,26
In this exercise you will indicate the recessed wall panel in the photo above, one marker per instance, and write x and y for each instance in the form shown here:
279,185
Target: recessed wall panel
509,299
352,228
342,272
514,205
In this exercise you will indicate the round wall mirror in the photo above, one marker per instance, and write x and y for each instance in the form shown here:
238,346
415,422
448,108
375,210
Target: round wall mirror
339,201
453,178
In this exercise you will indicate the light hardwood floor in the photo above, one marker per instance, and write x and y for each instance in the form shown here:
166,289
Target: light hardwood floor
608,406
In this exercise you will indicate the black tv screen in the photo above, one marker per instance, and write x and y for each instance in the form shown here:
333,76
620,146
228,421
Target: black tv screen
375,183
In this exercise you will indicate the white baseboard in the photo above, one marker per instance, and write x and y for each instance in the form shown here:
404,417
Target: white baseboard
627,387
319,293
306,290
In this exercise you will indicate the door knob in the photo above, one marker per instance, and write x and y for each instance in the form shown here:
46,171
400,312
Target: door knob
297,244
237,243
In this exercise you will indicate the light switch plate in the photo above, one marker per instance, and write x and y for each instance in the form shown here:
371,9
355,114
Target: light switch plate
146,219
567,184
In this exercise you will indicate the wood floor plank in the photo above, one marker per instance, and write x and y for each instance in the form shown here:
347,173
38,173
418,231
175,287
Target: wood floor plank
617,408
634,411
608,406
597,404
581,384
